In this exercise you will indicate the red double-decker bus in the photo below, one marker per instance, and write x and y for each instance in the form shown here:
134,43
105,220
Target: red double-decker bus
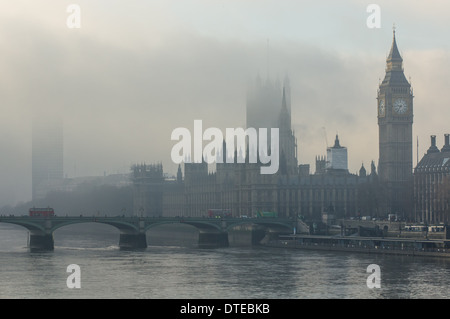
219,213
41,212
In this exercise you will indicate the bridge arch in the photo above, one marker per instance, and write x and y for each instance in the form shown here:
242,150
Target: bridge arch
131,235
120,225
210,234
269,224
202,226
30,225
88,234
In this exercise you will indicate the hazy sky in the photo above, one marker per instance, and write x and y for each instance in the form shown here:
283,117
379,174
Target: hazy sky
138,69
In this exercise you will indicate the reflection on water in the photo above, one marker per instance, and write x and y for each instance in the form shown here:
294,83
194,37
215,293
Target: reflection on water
172,267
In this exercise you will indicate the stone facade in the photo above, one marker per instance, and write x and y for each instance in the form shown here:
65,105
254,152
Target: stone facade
432,185
395,119
241,188
148,188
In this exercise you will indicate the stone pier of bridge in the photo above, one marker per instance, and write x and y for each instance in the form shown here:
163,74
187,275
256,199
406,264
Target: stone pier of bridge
133,238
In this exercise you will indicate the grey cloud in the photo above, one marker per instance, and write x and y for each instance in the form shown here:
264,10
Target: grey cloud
120,104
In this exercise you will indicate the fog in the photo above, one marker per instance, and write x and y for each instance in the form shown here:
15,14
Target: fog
134,72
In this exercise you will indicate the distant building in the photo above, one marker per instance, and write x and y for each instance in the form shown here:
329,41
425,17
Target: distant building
303,170
321,164
332,189
240,187
147,190
263,103
432,184
337,157
395,121
47,155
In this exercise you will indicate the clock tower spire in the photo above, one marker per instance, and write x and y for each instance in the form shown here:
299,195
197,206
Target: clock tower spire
395,119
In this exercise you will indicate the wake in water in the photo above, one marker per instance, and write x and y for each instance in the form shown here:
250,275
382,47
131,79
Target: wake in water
107,248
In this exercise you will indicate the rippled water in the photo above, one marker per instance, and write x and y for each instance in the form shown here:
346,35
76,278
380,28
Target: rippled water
172,267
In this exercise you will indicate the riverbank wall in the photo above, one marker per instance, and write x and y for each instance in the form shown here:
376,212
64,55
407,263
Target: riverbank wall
368,245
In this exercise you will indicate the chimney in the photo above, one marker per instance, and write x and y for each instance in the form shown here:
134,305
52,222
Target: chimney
446,147
433,148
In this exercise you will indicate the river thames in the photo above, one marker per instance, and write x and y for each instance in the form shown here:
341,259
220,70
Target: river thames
172,267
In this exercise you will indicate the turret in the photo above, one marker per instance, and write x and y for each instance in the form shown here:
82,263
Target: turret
373,170
362,171
284,121
446,147
433,148
179,174
394,60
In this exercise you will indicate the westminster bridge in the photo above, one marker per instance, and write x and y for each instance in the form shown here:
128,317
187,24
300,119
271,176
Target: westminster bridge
213,232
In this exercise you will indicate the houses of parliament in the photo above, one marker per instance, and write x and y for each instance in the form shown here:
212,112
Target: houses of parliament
299,190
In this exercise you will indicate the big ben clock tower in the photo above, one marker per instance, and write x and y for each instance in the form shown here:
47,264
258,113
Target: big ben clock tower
395,119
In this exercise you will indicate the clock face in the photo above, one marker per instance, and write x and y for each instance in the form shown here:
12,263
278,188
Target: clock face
381,108
400,106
